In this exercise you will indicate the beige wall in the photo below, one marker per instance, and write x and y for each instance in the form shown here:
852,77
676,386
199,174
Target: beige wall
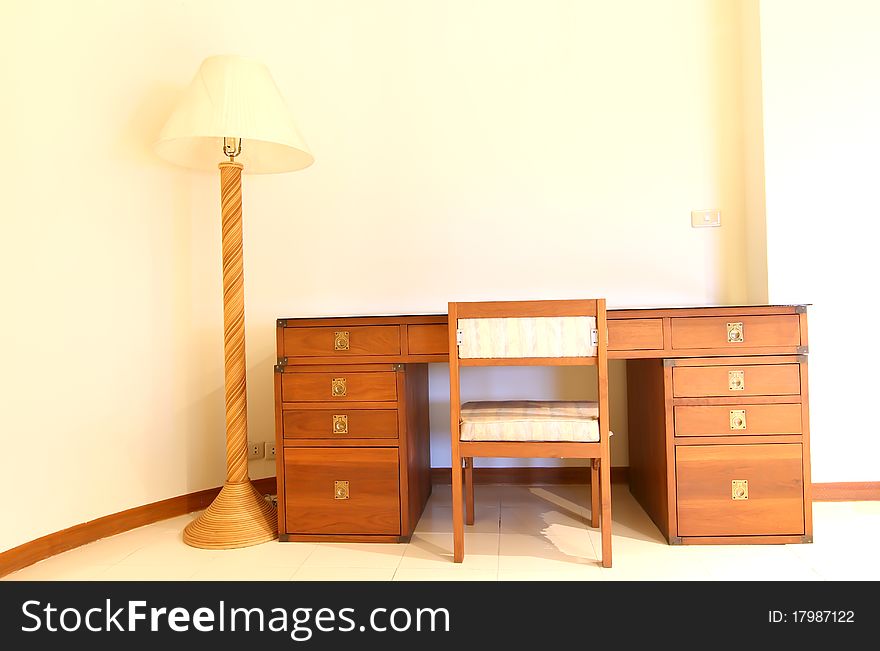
464,150
821,105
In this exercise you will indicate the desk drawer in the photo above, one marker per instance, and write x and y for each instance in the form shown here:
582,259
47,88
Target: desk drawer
430,339
735,420
635,334
736,332
340,424
341,341
712,503
735,381
342,386
341,491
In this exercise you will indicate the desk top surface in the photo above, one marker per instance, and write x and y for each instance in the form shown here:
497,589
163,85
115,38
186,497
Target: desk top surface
616,312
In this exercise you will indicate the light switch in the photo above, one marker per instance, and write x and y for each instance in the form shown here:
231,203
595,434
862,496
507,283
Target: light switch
701,218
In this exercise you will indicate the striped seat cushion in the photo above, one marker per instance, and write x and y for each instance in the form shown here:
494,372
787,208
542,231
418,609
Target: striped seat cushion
530,420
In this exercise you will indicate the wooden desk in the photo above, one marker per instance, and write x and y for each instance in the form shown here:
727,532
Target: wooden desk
717,405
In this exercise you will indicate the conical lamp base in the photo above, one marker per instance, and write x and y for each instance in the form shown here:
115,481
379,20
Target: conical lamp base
238,517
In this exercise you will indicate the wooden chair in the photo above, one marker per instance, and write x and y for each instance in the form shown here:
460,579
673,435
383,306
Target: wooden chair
529,333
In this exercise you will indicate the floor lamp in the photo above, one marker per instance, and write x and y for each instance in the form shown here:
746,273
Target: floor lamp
233,108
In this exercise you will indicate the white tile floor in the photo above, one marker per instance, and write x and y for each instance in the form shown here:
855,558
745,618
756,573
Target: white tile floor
521,533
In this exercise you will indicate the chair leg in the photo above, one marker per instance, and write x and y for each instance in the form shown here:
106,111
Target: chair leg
605,479
469,489
594,493
457,510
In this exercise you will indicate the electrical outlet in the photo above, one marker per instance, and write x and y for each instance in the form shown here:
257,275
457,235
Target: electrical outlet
703,218
255,449
270,449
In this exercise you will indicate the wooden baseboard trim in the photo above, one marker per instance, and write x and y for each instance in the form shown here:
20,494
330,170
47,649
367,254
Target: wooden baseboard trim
846,491
110,525
531,476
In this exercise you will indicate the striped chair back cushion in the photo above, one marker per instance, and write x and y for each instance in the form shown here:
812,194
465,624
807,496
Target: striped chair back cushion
515,337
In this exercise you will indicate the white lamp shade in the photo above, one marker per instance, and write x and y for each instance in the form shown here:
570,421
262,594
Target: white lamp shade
233,97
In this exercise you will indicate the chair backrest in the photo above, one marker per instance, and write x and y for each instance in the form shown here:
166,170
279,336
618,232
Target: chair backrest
543,332
530,333
526,337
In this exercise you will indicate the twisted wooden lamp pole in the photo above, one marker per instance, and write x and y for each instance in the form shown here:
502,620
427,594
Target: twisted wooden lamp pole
239,516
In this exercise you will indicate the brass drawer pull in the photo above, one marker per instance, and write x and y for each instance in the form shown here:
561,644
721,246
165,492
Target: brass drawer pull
735,333
340,424
337,387
736,380
340,490
740,489
737,419
340,340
